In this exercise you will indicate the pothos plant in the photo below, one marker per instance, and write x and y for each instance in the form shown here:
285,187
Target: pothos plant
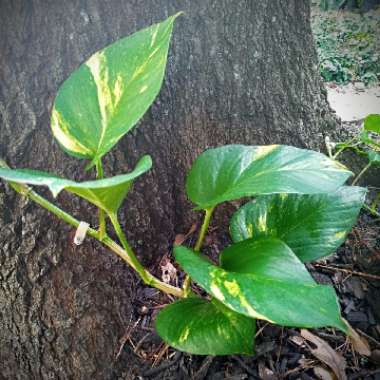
365,143
300,209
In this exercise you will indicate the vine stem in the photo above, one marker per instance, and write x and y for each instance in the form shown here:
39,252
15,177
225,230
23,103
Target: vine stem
135,263
102,215
204,228
371,210
346,145
355,181
198,244
127,255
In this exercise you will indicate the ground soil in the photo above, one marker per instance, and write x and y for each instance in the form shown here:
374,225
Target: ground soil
354,271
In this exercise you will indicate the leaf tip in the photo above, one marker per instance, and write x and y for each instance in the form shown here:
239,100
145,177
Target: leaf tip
180,13
148,160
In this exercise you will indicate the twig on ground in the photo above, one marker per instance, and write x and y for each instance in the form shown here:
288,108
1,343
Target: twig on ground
245,366
202,371
141,341
335,338
163,348
303,366
163,367
351,272
279,352
261,330
125,338
363,241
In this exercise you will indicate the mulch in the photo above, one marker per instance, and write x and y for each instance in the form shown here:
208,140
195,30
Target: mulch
281,353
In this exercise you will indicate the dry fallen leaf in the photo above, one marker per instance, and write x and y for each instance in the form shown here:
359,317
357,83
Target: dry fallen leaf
169,272
326,354
359,343
180,238
296,339
323,373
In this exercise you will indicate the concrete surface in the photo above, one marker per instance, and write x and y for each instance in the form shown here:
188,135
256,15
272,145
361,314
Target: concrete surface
353,101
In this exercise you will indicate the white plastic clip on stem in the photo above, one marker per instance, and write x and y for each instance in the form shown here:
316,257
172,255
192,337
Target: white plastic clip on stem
330,146
81,232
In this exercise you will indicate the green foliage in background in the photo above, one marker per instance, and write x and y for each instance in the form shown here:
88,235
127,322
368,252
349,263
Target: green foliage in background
348,46
327,5
365,143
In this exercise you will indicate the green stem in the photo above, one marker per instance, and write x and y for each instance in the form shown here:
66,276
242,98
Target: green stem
102,215
107,241
334,157
346,145
355,181
146,276
375,202
28,192
123,240
198,244
372,211
204,228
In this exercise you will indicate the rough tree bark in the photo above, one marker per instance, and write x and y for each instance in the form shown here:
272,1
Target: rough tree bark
238,72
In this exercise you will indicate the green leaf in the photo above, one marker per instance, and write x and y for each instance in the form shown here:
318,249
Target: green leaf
373,157
201,327
313,226
107,194
108,94
265,257
372,123
234,171
366,139
282,302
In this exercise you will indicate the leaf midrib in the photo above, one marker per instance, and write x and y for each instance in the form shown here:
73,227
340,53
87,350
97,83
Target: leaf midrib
98,153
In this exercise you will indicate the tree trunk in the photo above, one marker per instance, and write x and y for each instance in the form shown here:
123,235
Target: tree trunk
238,72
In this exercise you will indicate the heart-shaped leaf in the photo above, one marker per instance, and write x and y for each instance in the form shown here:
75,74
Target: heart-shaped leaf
312,225
202,327
234,171
372,123
108,94
265,257
282,302
107,194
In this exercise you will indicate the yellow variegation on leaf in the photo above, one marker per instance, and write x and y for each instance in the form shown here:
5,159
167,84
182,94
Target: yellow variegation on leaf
109,93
